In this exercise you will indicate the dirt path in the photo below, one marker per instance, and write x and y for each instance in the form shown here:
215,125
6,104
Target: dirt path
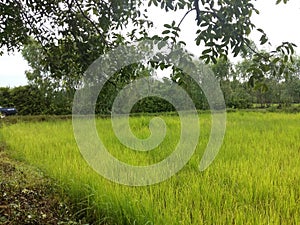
28,197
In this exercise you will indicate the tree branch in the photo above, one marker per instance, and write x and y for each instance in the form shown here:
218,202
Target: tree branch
93,24
196,4
185,16
198,15
256,52
26,18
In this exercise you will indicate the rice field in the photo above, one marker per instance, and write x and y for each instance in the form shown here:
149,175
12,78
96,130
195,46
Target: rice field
255,178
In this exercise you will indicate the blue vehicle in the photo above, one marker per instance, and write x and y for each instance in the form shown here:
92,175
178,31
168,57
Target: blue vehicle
7,111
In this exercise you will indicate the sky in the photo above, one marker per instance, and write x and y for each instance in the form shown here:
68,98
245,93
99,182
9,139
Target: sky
280,22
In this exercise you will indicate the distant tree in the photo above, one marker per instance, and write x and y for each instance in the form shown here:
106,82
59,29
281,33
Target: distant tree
292,83
223,69
28,100
5,100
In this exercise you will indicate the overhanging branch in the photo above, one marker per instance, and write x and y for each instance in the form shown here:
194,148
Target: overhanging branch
185,16
196,5
91,22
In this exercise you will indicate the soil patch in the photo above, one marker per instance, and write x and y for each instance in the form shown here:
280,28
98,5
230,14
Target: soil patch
28,197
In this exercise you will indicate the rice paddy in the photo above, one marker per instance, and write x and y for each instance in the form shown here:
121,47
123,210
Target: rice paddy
255,178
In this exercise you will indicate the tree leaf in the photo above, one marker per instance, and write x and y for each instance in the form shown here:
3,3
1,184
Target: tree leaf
168,26
166,32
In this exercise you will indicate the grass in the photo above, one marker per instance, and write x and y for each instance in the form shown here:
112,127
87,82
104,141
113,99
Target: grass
255,178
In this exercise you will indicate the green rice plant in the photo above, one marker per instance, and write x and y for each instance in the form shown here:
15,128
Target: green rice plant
255,178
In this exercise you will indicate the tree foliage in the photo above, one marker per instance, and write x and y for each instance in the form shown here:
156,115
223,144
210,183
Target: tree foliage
73,33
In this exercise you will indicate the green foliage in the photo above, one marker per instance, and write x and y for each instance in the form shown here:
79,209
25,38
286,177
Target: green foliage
284,1
222,68
70,34
276,63
237,95
5,97
73,33
31,100
271,88
152,105
11,25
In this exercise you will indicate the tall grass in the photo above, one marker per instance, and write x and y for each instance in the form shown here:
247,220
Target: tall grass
255,178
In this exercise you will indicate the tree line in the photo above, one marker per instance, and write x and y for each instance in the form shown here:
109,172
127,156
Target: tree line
38,98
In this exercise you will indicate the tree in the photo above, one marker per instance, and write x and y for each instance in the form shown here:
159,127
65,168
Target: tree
73,33
222,69
291,93
5,97
27,100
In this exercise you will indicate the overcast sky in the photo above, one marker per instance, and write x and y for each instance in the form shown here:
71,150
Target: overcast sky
280,22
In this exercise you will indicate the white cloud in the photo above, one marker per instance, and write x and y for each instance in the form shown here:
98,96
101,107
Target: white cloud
12,70
280,22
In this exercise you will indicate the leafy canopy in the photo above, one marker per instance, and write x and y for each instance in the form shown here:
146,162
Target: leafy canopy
73,33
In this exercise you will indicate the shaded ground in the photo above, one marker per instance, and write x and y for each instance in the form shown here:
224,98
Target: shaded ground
28,197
